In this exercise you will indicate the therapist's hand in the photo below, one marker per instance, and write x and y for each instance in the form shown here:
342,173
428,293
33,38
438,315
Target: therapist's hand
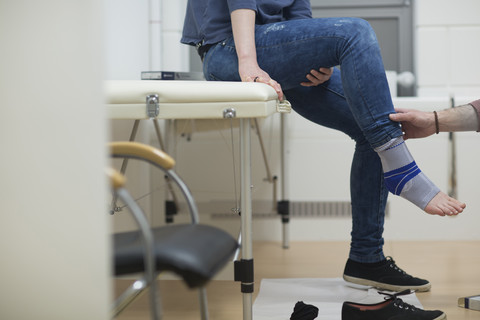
415,123
317,77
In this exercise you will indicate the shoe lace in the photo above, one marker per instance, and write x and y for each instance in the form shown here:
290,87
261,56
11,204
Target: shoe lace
391,263
397,302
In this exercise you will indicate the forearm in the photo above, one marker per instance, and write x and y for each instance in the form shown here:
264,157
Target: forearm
476,106
243,26
461,118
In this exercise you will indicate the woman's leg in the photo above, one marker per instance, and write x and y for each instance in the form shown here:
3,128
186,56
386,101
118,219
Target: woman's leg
366,264
289,50
367,190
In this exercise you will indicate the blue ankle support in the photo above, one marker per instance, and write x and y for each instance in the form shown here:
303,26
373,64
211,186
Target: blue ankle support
402,175
396,179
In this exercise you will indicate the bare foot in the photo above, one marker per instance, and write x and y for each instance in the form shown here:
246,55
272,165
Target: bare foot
443,205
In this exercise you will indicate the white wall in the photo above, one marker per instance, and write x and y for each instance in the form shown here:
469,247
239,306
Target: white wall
143,35
446,64
126,39
447,47
53,223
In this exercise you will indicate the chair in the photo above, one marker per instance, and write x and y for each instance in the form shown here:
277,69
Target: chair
193,251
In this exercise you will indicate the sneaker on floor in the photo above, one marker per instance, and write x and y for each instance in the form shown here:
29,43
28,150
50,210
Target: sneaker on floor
392,309
385,275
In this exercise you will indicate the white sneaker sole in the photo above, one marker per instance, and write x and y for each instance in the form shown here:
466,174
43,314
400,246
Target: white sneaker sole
386,286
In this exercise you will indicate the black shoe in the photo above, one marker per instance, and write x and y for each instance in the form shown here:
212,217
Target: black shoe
385,275
392,309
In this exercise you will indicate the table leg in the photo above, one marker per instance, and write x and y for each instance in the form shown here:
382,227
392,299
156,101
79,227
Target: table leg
284,204
246,217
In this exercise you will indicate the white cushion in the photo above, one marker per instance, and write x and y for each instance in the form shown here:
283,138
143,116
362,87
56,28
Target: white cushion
126,99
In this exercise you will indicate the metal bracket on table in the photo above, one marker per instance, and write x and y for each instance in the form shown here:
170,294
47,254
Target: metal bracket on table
284,106
152,105
229,113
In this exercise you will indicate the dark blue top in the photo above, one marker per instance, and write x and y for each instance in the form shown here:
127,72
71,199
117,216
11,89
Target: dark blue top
209,20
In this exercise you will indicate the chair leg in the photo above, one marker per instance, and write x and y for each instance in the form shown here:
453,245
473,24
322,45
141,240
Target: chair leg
202,295
128,296
133,293
155,303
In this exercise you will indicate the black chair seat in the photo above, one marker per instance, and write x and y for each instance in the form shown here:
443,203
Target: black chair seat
195,252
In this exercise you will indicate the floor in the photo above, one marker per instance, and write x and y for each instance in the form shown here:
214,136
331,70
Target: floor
451,267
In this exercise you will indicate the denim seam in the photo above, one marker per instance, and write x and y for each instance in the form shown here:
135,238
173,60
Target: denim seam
295,41
387,133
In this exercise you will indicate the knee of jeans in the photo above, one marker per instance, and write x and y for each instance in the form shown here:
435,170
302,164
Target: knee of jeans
362,30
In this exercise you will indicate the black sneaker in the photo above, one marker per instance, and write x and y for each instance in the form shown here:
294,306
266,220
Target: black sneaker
392,309
385,275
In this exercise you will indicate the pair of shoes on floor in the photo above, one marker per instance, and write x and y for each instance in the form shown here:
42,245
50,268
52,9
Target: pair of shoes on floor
385,275
393,308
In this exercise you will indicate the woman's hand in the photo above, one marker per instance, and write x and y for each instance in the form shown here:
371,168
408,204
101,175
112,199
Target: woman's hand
317,77
253,73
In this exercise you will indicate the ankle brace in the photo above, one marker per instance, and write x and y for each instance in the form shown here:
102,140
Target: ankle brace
396,179
402,175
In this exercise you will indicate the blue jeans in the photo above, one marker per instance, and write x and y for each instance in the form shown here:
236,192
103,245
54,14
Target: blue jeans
356,100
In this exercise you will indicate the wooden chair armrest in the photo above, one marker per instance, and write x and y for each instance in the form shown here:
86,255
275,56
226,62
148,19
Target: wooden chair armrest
141,151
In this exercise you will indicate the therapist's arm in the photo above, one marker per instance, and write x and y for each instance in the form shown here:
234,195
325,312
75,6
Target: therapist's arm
420,124
243,26
460,118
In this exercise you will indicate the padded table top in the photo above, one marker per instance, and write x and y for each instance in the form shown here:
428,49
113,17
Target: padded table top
126,99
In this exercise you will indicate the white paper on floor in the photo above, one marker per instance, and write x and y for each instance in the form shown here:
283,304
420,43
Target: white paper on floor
277,297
